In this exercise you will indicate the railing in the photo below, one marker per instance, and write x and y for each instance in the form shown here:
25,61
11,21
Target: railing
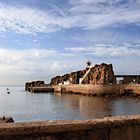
85,75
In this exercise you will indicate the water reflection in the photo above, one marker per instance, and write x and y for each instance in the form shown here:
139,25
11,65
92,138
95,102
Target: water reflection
98,107
88,107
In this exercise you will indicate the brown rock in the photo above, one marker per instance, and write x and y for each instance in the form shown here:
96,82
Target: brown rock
29,85
102,74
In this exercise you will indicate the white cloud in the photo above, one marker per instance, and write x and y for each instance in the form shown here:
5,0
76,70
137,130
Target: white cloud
97,14
14,54
87,14
18,66
25,20
29,64
24,61
108,50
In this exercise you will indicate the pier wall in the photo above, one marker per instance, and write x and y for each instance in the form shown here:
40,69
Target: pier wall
134,87
110,128
42,89
89,89
99,90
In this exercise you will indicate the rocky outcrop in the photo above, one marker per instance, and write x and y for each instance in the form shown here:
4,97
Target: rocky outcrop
102,74
73,78
29,85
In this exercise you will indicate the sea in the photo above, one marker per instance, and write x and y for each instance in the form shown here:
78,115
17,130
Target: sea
24,106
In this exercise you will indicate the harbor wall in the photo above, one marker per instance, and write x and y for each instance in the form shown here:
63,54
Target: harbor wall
42,89
110,128
93,90
99,90
135,88
88,89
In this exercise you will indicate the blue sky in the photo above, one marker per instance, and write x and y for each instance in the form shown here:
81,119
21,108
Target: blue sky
40,39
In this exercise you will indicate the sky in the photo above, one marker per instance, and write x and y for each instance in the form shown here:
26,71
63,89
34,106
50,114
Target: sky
40,39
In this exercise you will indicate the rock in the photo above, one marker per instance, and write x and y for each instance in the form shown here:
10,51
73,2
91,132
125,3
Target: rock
102,74
56,80
6,120
29,85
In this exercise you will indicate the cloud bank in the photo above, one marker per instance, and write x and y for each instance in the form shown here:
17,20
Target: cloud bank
107,50
34,64
29,61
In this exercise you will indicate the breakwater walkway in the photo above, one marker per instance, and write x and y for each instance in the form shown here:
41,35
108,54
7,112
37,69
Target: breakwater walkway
132,90
110,128
100,90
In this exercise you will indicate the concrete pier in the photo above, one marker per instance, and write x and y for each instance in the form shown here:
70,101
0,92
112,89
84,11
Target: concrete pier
92,90
99,90
110,128
88,89
135,88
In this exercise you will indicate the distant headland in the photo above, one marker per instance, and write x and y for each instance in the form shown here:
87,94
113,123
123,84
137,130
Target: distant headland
98,80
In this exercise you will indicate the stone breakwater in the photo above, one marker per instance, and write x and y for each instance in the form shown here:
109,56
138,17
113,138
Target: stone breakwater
109,128
38,86
132,90
100,90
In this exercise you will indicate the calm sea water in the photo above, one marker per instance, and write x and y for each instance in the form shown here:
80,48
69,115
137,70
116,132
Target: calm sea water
25,106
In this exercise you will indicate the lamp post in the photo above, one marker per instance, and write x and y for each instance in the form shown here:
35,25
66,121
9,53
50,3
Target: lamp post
88,63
